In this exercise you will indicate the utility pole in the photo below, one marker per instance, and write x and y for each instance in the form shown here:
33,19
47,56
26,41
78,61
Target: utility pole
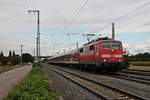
38,33
21,47
113,31
34,52
77,45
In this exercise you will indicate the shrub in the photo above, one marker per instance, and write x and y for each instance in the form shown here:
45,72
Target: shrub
27,58
33,87
36,65
15,60
4,60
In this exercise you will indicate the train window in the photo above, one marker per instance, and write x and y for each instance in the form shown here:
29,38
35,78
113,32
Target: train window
116,46
106,45
81,50
73,55
91,47
86,49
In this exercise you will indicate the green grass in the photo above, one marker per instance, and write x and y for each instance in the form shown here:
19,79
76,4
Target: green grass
140,63
33,87
140,68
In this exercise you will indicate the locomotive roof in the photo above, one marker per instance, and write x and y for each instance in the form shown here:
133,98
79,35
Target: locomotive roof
105,39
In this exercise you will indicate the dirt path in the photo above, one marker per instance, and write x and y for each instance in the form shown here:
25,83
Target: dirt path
10,78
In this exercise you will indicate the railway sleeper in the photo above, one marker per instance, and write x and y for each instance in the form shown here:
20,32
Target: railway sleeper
97,89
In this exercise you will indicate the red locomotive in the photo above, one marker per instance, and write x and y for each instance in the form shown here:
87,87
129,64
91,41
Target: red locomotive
104,53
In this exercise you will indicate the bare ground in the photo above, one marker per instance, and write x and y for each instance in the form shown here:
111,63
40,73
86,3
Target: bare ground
10,78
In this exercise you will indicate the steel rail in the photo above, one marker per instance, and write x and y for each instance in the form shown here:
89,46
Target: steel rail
102,90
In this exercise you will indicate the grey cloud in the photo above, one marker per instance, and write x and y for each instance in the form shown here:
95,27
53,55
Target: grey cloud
57,14
147,24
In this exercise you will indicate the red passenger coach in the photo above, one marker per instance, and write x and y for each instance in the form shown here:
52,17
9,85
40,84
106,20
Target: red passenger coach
104,53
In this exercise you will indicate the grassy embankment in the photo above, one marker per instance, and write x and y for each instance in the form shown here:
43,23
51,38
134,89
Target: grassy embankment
6,68
33,87
143,66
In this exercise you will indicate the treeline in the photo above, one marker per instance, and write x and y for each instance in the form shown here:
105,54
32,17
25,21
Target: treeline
140,57
14,59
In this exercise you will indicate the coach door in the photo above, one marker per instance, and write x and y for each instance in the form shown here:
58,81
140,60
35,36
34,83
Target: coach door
92,53
96,52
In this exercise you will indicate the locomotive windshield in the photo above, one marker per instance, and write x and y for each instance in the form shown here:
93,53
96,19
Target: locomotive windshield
111,45
106,45
115,46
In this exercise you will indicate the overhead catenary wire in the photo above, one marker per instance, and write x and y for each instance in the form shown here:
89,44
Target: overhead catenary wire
29,4
134,10
76,14
126,15
26,4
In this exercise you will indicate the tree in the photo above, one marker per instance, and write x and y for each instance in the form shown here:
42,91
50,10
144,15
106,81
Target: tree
13,53
140,57
45,60
4,60
15,60
10,54
26,57
1,56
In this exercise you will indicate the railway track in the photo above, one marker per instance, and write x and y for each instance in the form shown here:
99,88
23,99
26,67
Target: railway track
136,76
137,72
101,90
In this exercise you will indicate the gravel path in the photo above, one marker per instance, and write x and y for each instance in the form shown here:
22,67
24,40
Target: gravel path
68,89
10,78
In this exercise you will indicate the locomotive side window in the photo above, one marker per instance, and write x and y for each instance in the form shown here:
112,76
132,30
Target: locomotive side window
106,45
91,47
116,46
81,50
86,49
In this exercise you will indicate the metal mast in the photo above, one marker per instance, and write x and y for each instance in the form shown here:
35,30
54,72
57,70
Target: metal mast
38,33
113,31
21,47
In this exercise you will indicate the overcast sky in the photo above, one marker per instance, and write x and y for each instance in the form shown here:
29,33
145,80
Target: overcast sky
59,17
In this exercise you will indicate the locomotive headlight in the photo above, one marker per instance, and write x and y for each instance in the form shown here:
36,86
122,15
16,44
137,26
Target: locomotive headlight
119,60
104,60
106,56
118,56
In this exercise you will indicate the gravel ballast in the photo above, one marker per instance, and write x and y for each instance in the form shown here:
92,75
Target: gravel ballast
133,87
68,89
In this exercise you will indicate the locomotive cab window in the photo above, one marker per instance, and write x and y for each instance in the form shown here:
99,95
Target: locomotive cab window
106,45
116,46
81,50
112,45
91,47
86,49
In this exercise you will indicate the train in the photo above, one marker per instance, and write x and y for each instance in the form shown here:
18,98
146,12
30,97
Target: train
103,54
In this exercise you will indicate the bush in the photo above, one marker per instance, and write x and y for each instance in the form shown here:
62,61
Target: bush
33,87
140,57
27,58
4,60
36,65
15,60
